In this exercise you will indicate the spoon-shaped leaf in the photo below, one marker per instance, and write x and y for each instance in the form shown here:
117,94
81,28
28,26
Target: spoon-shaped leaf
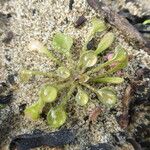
63,72
146,22
120,54
115,80
62,43
105,42
25,75
84,78
56,117
98,25
120,59
88,59
48,93
107,96
33,112
81,97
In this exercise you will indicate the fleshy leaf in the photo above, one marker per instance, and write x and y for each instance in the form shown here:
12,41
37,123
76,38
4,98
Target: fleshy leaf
63,72
120,58
84,78
33,112
2,106
56,117
48,93
81,97
146,22
98,25
25,75
88,59
115,80
107,96
62,43
105,42
120,54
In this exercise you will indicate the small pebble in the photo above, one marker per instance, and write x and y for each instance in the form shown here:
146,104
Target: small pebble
81,20
8,38
33,12
11,78
71,2
3,87
22,108
8,58
91,44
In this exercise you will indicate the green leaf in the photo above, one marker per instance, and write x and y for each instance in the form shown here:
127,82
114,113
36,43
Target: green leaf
56,117
84,78
98,25
115,80
105,42
119,66
88,59
146,22
107,96
63,72
33,112
120,54
62,43
120,58
25,75
81,97
2,106
48,93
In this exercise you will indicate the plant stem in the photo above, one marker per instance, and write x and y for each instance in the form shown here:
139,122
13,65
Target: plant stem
84,48
99,67
89,87
62,85
70,60
110,71
49,74
89,37
51,56
114,80
71,90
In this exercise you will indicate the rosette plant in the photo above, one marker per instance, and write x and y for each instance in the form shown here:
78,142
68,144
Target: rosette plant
89,69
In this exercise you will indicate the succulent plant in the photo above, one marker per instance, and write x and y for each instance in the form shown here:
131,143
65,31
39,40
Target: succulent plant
76,75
